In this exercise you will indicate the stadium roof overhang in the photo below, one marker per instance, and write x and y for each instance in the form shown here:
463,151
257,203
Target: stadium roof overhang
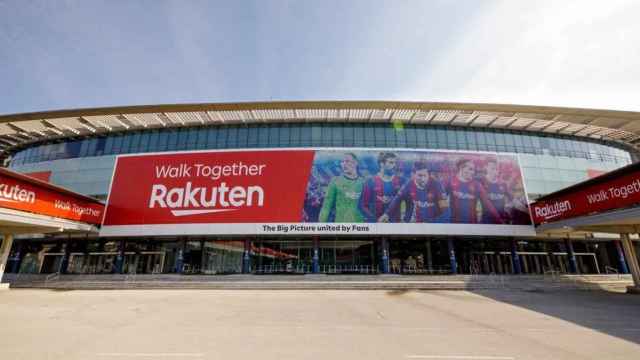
19,130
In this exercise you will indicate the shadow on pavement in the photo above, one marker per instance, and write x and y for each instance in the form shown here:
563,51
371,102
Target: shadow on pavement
615,314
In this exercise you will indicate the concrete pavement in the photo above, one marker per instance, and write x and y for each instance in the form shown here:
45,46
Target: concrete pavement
315,324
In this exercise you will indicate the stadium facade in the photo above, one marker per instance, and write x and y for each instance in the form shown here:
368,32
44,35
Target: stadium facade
329,187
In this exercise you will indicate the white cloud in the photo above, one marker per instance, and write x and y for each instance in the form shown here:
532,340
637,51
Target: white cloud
564,53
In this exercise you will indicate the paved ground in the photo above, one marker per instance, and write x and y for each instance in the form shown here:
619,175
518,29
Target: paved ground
194,324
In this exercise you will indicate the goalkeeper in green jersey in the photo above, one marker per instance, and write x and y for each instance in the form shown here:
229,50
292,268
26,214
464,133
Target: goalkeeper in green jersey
343,194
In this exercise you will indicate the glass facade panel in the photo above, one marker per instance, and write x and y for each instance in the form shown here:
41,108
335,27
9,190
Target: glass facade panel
538,151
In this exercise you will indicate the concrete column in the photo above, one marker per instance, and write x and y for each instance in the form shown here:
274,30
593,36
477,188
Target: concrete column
571,256
621,262
632,259
246,257
120,258
7,242
515,258
452,256
315,255
384,258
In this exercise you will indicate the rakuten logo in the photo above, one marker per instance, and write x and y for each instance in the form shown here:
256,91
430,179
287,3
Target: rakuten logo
189,200
16,194
550,211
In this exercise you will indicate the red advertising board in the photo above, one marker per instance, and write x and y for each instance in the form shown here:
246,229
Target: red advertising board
209,187
21,193
616,193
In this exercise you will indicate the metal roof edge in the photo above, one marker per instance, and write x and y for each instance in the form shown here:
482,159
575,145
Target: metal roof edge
347,104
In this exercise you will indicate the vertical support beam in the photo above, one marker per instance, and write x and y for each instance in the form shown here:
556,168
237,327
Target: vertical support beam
621,262
315,255
120,258
452,256
64,264
384,258
7,242
571,256
632,259
246,257
429,255
517,268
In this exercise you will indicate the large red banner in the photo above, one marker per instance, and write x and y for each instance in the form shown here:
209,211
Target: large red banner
209,187
317,191
27,196
614,194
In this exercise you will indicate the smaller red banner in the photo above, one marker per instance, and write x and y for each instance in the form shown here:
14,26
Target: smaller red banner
27,196
617,193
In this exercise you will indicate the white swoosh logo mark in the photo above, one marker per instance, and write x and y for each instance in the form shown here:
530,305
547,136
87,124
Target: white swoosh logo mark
198,212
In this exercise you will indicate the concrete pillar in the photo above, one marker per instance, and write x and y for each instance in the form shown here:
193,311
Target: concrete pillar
7,242
571,256
452,256
120,258
246,257
384,258
315,255
621,262
632,260
515,258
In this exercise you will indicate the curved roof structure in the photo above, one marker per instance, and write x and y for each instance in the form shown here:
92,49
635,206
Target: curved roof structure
19,130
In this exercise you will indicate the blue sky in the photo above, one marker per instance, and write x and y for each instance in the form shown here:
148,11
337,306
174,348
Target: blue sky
59,54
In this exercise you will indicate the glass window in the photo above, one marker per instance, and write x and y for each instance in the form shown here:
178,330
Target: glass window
369,136
192,138
153,141
182,136
294,135
232,137
212,138
274,136
201,141
263,139
242,137
336,136
163,140
316,135
117,144
285,136
305,135
411,137
252,136
222,138
400,136
358,135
